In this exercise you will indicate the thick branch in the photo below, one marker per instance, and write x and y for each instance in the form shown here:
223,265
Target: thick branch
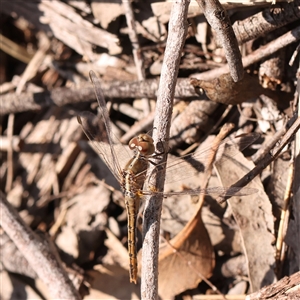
288,288
13,103
37,253
162,122
266,21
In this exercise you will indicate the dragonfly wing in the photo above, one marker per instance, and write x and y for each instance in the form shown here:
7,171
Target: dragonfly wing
99,132
214,191
105,118
183,168
102,148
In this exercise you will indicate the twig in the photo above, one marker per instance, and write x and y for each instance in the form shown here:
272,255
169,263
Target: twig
14,50
16,143
37,253
295,54
162,9
296,186
29,72
60,15
267,147
35,63
266,160
286,288
219,21
263,52
136,51
13,103
280,253
193,225
10,153
213,129
268,20
152,213
13,260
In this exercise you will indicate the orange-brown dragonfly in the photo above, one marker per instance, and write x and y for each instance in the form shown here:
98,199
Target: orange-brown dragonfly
132,175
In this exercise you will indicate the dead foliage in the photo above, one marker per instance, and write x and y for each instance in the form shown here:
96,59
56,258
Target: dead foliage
230,218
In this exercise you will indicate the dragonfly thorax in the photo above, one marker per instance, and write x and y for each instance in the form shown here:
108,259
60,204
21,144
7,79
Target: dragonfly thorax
134,173
142,143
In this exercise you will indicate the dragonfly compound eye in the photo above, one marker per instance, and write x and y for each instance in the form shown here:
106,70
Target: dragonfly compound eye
142,143
133,143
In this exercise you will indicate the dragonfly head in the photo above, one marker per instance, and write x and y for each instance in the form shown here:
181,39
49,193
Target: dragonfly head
142,143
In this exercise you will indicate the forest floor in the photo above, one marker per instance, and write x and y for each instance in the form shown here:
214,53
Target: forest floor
227,129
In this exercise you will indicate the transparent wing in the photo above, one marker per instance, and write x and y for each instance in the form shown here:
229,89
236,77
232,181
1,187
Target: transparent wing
190,165
87,121
182,169
220,191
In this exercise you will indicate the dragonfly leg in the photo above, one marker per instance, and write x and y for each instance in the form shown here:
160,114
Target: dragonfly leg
156,154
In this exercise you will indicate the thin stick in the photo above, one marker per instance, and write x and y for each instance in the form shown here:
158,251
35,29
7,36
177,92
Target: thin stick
267,147
136,49
280,254
29,72
261,53
214,128
296,185
266,160
10,153
152,214
218,19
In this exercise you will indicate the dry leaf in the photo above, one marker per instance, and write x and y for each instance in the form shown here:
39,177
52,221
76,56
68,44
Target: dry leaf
224,90
186,259
80,235
112,273
107,11
253,215
111,282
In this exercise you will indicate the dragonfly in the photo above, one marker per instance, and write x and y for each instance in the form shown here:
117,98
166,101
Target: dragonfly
132,175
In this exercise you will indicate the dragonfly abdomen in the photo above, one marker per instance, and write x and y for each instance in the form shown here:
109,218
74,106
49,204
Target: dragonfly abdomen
131,185
132,206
